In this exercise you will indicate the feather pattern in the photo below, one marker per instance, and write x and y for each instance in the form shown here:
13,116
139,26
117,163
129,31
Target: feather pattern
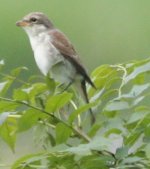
60,41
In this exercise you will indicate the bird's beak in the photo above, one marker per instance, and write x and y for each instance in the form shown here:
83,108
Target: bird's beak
22,23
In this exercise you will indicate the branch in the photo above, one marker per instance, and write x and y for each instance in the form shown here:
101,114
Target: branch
76,130
14,78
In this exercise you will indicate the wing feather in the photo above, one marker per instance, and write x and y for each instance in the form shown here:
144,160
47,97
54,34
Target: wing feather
60,41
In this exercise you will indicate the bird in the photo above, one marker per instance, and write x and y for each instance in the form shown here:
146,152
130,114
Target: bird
55,54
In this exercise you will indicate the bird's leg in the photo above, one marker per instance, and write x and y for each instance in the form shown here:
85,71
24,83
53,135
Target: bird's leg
68,85
60,85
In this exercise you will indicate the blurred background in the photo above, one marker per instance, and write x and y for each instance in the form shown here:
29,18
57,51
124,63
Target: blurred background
102,31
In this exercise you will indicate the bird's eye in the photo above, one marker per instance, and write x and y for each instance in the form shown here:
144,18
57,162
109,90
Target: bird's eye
33,19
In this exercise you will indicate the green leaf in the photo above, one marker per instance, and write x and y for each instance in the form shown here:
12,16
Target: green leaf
20,94
42,135
4,86
56,102
94,129
136,91
147,150
102,71
37,89
137,71
80,110
8,106
95,162
8,131
121,153
138,115
51,85
132,160
147,131
138,100
63,161
112,131
104,76
24,161
17,71
62,133
97,95
133,137
97,144
109,94
117,105
29,119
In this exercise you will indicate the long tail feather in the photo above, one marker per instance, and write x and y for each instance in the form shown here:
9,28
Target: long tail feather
83,87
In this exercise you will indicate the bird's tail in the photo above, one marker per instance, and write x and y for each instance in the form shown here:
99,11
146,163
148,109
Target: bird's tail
85,96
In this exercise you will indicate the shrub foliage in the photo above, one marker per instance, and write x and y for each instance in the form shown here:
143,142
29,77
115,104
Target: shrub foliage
119,139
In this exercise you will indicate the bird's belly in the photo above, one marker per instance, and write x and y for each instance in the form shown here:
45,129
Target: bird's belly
46,57
49,60
63,72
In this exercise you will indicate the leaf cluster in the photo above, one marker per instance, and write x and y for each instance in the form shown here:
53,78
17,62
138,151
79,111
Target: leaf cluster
119,138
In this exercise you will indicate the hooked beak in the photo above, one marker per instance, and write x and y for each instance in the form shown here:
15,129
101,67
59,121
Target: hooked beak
22,23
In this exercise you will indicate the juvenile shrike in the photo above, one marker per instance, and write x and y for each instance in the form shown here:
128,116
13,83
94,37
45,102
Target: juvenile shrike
54,53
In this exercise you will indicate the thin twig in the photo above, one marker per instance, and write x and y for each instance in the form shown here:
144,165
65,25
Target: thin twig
14,78
75,107
75,130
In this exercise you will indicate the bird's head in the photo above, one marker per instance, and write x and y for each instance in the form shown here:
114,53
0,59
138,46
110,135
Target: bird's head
35,23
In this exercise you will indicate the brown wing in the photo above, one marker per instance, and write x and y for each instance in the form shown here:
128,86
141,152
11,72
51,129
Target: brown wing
60,41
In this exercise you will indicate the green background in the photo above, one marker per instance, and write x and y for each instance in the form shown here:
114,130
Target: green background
102,31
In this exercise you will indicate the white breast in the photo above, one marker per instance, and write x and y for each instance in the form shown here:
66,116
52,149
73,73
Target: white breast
46,55
49,59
